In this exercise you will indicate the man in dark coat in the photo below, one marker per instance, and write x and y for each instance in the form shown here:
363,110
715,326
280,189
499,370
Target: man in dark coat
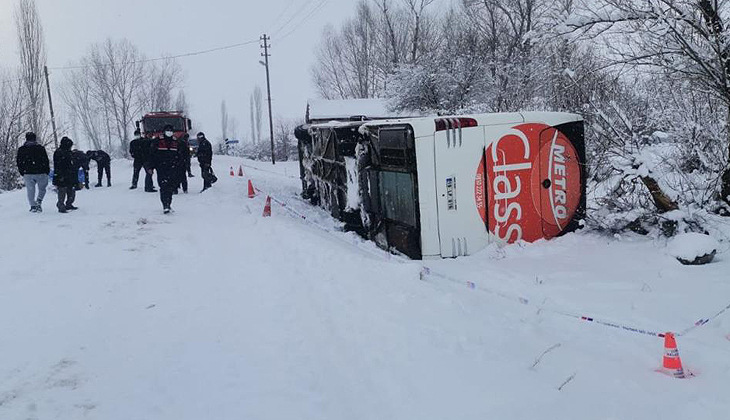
81,162
165,159
139,148
191,153
185,162
33,165
65,176
103,163
205,159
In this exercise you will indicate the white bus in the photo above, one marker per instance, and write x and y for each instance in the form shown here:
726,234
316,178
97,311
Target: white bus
443,187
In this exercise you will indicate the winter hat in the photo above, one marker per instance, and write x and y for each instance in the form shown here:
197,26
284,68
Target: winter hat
30,137
201,135
66,143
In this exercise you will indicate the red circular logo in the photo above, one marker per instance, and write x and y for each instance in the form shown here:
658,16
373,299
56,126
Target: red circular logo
533,184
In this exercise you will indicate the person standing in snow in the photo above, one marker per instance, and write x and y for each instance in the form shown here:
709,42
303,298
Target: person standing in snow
103,163
33,165
65,176
81,162
205,159
188,165
165,159
184,148
139,149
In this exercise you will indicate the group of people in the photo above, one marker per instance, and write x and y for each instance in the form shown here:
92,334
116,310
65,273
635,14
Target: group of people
169,156
34,166
80,162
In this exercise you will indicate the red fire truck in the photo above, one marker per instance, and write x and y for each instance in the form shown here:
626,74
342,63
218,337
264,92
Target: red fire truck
154,123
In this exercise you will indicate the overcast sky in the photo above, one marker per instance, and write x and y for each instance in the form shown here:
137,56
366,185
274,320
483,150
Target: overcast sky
170,27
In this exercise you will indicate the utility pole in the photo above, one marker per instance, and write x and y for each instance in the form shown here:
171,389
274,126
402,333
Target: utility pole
265,63
50,104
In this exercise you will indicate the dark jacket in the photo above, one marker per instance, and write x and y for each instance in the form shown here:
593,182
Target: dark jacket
32,159
80,160
165,157
185,152
205,152
140,149
100,157
65,174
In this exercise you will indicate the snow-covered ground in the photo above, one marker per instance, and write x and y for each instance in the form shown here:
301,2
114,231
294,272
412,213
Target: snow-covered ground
116,311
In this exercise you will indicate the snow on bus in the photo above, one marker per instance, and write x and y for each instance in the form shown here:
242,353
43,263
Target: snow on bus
443,187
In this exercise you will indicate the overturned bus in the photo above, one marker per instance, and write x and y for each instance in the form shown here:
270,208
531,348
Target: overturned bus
442,187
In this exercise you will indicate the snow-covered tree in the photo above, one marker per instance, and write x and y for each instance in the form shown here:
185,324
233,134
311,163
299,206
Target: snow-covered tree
680,41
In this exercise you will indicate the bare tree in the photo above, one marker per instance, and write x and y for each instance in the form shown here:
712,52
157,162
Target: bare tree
32,60
356,60
328,73
348,61
78,94
393,34
107,92
161,80
253,118
284,141
233,127
258,111
118,75
12,113
181,102
224,121
417,9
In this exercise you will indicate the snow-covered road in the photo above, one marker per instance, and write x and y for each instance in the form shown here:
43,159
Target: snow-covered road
116,311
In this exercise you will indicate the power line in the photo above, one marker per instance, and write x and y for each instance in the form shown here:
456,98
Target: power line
306,18
318,7
281,15
171,57
301,9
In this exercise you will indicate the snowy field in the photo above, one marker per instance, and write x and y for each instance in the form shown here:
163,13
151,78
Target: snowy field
118,312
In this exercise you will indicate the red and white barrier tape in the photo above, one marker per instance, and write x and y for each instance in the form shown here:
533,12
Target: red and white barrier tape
426,271
705,321
525,301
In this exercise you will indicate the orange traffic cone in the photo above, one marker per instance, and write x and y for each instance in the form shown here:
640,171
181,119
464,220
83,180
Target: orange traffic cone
672,364
267,207
232,174
240,171
251,191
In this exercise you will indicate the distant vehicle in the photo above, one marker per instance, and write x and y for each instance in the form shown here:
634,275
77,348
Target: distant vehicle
154,124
